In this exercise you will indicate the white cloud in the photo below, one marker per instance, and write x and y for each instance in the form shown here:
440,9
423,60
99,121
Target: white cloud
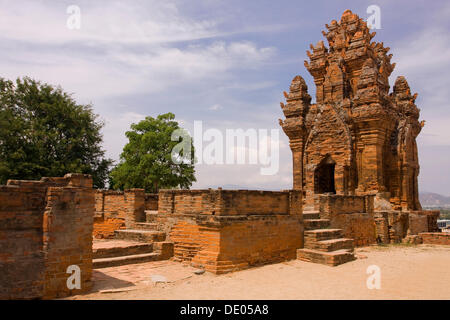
142,22
215,107
423,59
114,131
121,49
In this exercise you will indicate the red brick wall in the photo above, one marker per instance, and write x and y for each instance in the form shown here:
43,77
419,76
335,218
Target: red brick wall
104,228
394,226
110,204
222,230
223,202
352,214
151,201
21,242
338,204
440,238
68,221
417,223
114,209
44,225
357,226
236,245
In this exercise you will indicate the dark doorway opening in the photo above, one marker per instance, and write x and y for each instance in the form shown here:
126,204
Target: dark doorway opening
324,176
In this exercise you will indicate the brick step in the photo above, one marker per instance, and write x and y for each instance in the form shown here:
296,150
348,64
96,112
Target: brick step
311,215
140,235
150,215
124,260
331,245
146,226
333,258
322,234
313,224
122,250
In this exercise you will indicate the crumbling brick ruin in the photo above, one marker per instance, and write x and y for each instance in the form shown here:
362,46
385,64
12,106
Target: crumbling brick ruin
45,227
116,210
122,215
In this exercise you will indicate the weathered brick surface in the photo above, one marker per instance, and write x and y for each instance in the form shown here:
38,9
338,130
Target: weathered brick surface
357,226
331,205
68,221
440,238
21,242
223,202
417,223
115,210
151,201
44,227
104,228
352,214
227,230
394,226
110,204
432,217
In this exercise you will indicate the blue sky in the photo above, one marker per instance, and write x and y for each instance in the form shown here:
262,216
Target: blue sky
225,63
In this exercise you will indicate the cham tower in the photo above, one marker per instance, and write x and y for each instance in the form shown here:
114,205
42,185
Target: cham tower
358,138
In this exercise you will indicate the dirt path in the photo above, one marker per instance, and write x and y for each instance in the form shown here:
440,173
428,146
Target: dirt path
420,272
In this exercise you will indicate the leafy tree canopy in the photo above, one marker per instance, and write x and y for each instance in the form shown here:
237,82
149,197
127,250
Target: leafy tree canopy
147,161
44,132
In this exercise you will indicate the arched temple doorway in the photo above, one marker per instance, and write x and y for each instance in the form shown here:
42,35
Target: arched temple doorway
324,176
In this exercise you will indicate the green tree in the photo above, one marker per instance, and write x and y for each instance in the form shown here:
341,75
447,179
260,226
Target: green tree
147,162
44,132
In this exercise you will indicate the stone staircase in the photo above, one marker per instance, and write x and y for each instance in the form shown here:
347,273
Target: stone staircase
143,243
324,245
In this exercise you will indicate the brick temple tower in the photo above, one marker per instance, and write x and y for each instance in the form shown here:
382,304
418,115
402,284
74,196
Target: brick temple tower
358,138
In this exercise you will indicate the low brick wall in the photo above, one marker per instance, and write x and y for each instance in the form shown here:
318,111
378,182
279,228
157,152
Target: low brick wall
228,230
356,216
223,202
45,226
115,210
110,204
417,223
360,227
339,204
394,226
151,201
352,214
104,228
440,238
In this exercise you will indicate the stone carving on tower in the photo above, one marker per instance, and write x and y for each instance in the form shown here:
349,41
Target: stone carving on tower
357,138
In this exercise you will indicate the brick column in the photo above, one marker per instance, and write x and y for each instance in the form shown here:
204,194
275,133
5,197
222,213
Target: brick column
135,207
67,238
370,176
297,163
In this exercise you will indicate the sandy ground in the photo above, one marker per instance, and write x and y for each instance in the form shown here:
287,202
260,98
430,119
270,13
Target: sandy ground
407,272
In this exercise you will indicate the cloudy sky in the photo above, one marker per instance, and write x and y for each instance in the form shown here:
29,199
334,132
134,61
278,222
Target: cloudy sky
225,63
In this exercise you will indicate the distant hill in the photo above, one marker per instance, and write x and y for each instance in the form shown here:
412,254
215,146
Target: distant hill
429,199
